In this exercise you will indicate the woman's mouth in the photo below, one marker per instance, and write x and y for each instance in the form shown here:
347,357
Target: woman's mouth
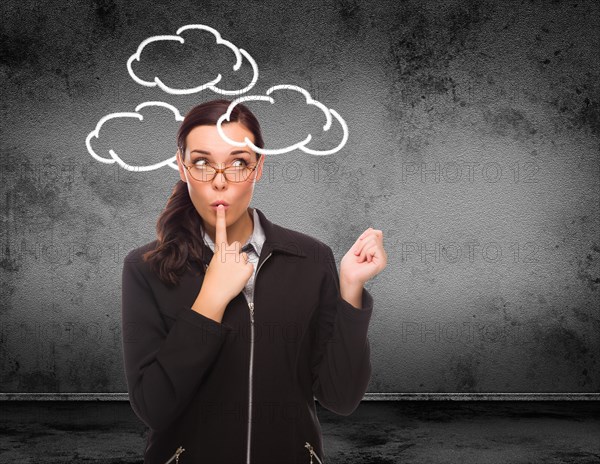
216,203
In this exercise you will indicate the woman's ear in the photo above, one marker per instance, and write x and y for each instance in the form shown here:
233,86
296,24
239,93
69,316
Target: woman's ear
180,166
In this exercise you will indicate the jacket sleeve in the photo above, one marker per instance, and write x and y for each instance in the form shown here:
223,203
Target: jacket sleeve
341,364
163,368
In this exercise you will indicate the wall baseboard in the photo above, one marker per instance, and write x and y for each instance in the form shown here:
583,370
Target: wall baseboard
367,397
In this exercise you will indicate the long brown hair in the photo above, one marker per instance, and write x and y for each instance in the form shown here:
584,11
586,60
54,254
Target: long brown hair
179,227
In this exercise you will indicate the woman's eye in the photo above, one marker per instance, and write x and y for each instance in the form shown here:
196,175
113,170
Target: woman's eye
204,162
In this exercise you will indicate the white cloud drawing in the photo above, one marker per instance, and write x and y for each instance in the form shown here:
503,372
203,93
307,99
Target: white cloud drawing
239,52
330,116
114,157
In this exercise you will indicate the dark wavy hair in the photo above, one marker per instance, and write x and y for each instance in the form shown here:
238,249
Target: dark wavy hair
179,227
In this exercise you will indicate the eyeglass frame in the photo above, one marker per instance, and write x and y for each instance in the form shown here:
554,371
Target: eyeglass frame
219,171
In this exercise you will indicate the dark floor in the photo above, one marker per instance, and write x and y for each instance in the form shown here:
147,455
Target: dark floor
377,432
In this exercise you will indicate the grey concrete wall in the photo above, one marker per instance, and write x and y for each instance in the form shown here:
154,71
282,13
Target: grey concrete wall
473,144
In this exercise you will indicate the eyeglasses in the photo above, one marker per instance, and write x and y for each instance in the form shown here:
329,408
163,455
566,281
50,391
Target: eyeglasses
206,172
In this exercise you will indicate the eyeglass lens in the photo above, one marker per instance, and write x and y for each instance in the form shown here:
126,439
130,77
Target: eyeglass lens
207,173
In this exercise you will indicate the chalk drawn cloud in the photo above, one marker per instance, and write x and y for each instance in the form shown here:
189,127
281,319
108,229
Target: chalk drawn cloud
212,85
114,157
330,114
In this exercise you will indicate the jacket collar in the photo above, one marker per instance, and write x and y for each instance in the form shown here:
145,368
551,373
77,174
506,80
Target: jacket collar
277,239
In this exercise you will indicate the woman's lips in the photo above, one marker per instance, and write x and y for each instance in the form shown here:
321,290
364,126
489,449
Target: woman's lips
215,207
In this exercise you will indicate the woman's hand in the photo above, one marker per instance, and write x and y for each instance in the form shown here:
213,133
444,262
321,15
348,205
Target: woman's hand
228,270
365,259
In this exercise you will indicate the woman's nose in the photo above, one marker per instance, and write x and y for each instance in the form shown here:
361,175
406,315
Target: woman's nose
219,181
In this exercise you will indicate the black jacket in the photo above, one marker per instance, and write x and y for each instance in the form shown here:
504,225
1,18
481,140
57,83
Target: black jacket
190,378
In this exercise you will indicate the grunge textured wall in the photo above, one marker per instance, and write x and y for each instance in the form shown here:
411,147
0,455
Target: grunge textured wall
473,144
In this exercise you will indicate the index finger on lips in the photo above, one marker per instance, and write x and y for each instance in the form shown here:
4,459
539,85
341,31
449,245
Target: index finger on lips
221,227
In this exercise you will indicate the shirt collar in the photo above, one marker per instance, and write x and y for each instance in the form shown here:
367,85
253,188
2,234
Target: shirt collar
257,239
276,239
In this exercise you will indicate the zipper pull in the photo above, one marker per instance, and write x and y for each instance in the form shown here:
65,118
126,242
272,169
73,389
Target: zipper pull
251,305
176,455
311,450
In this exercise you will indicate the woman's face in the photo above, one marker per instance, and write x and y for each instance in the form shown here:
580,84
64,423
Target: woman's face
204,145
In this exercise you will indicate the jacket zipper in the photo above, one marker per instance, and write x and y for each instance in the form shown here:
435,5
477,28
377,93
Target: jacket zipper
250,368
176,455
312,452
